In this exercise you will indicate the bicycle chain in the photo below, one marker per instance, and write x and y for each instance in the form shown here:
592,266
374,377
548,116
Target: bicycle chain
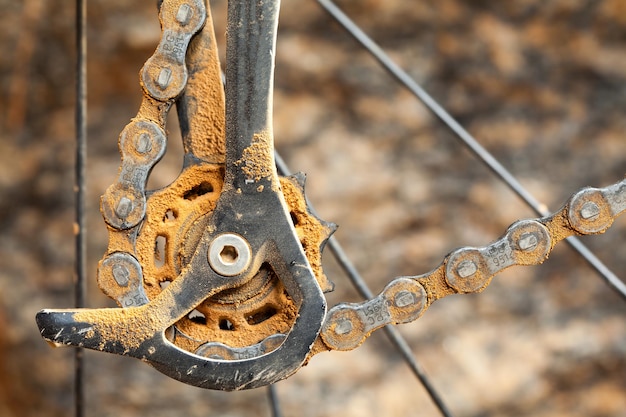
469,270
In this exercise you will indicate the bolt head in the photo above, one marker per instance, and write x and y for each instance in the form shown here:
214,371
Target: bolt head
229,254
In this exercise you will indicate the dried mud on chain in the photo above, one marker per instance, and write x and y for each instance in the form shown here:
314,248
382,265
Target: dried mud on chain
541,84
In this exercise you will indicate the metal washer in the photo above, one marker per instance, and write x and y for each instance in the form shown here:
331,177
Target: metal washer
241,260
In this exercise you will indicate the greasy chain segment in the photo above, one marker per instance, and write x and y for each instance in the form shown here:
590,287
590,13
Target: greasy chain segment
218,275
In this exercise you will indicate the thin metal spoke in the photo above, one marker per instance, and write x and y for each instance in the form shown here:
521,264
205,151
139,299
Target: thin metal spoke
80,289
273,399
362,288
467,139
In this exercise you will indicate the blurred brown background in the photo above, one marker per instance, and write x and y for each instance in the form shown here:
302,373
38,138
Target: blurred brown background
541,84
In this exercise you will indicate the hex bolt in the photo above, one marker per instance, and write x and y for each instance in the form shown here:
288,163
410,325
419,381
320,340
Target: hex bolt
121,274
466,269
344,326
589,210
124,207
229,254
184,14
404,298
527,242
143,143
164,78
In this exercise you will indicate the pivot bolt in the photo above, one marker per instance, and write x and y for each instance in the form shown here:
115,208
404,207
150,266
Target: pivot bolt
229,254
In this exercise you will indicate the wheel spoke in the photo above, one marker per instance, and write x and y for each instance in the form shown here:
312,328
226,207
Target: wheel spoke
273,399
80,288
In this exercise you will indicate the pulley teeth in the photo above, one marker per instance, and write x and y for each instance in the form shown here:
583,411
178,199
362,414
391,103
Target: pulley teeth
299,178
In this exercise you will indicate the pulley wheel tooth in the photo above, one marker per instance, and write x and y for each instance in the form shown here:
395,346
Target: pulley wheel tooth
330,228
300,179
313,232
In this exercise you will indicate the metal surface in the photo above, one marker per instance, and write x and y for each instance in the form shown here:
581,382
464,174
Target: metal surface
80,279
229,254
218,275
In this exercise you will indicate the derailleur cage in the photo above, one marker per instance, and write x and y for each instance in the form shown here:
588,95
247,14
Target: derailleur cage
213,272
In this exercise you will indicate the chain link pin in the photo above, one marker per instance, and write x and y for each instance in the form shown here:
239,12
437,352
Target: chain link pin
121,274
164,78
466,269
184,14
528,242
143,143
404,298
343,327
124,207
589,210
